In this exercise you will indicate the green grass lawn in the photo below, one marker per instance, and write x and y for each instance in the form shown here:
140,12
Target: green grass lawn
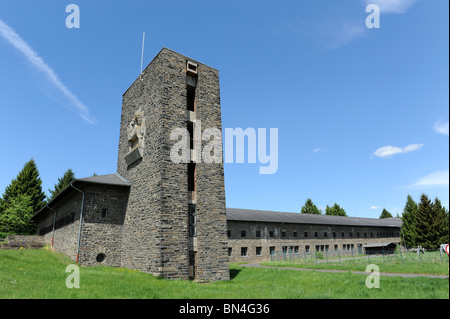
430,263
41,274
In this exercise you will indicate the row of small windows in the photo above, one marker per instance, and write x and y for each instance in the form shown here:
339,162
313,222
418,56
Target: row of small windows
323,235
294,249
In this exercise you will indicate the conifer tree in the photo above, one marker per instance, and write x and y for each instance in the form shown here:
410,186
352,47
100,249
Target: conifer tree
63,182
425,224
385,214
441,222
310,208
28,183
409,222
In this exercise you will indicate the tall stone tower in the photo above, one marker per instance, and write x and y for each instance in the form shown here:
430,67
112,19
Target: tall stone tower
175,224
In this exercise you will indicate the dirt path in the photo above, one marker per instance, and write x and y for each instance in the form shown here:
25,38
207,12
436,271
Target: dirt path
258,265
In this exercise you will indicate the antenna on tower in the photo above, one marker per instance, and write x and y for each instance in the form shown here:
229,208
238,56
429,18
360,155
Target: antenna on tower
142,55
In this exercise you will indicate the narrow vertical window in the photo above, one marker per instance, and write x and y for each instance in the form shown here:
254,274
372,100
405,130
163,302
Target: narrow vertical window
192,220
190,90
191,177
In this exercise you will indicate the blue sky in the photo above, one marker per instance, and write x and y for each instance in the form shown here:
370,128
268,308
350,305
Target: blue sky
362,114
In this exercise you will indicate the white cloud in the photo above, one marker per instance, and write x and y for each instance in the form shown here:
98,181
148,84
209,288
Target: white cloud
392,6
388,151
441,127
317,150
15,40
375,207
438,178
328,34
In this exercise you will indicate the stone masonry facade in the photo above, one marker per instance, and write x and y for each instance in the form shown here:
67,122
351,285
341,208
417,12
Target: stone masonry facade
157,210
170,219
255,241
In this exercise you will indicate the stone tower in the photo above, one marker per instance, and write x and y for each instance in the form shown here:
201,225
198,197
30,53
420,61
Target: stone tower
175,224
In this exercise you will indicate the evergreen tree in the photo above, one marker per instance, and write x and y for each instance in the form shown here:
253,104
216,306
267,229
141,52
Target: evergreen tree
409,222
385,214
63,182
441,222
425,224
310,208
335,210
28,183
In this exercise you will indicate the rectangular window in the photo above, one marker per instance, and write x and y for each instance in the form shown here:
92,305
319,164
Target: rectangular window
325,234
271,234
315,234
190,90
283,234
334,234
307,248
191,177
306,234
229,251
243,233
284,249
317,247
243,251
192,220
294,234
343,234
229,233
295,249
190,128
104,212
336,247
258,234
272,250
258,251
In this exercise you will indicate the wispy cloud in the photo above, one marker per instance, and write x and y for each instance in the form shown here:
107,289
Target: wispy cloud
375,207
389,151
330,34
441,127
16,41
438,178
392,6
317,150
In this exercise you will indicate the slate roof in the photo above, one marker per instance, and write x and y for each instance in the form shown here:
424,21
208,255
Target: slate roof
234,214
110,179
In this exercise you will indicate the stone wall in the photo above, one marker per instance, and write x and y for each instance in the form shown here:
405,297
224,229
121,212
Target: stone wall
103,219
23,241
302,236
156,235
100,233
66,234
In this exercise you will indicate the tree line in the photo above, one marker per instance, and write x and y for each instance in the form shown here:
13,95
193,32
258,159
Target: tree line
424,223
24,197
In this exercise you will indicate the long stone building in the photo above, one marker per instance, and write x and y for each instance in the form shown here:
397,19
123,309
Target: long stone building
169,218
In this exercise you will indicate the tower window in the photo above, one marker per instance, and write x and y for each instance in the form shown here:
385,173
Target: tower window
192,220
190,98
191,177
191,67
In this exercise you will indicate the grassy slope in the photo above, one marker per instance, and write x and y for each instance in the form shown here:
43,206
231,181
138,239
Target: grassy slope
41,274
431,264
